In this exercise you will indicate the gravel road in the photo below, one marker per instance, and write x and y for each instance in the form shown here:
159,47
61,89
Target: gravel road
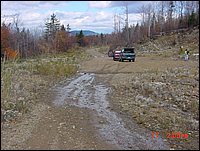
77,113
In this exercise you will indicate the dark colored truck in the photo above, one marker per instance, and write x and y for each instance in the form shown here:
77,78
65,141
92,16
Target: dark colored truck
127,54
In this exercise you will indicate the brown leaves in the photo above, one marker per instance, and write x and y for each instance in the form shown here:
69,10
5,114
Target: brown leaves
5,33
5,43
11,54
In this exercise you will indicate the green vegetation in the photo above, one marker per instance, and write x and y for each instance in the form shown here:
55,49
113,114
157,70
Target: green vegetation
22,81
103,49
56,68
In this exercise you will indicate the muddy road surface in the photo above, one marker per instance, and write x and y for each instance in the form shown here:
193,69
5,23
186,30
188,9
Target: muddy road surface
77,113
85,91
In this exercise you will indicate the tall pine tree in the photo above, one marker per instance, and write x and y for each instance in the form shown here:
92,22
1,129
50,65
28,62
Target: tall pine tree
52,26
80,37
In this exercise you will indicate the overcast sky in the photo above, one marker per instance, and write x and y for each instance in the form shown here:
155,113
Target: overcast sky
97,16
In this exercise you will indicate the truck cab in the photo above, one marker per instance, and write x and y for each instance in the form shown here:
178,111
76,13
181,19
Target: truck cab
127,54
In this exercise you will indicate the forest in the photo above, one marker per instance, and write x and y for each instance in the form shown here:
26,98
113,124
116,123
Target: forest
158,18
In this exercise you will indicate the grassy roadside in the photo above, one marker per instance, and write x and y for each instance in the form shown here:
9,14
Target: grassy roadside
22,81
103,49
162,101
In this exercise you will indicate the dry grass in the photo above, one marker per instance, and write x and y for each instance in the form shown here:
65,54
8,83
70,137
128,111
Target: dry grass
103,49
163,101
22,81
56,69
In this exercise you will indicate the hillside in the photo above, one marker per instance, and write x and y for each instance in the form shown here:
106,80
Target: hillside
85,32
172,42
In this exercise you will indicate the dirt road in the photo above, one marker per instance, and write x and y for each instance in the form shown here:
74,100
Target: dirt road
77,113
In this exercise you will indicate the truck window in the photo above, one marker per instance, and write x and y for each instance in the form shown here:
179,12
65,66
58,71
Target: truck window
129,50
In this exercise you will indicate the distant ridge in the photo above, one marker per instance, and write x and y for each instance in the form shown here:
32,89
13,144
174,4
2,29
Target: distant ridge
85,32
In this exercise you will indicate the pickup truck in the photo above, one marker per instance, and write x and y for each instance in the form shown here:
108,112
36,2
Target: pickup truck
127,54
116,55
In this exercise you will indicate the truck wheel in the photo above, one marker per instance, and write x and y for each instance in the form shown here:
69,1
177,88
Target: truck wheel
129,60
133,60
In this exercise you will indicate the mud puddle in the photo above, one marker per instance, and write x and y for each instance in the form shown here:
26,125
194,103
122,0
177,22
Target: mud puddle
85,91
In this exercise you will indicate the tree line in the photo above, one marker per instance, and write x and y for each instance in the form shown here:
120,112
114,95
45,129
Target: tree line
157,18
55,38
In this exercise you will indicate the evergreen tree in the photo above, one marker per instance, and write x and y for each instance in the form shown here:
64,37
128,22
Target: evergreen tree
101,38
62,28
80,38
52,27
68,28
191,20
